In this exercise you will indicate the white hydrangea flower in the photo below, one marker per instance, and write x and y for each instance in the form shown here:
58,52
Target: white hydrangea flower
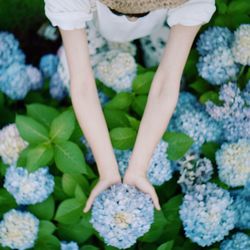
241,45
11,144
18,230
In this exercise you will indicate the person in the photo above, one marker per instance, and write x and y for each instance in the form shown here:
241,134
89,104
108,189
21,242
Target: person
122,21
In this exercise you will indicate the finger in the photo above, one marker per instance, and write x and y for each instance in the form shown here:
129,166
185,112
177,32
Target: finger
155,199
90,200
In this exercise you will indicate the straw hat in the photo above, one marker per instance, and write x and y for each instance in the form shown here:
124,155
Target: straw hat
140,6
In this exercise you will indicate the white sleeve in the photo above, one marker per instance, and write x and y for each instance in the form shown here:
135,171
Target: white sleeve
191,13
68,14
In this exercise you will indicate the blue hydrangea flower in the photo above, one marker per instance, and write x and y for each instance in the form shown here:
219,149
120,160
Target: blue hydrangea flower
11,144
48,65
242,206
241,45
238,241
117,70
14,82
234,115
192,119
213,38
207,214
56,88
193,170
233,160
121,214
69,245
160,169
18,230
218,67
9,51
29,188
35,77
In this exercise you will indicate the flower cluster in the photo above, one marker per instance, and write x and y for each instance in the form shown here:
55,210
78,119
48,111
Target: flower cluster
11,144
159,170
241,45
242,206
121,214
193,170
238,241
207,214
16,78
234,115
18,230
117,70
233,161
69,245
48,65
217,62
29,188
192,119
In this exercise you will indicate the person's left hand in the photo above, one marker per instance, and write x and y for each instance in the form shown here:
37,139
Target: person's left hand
140,181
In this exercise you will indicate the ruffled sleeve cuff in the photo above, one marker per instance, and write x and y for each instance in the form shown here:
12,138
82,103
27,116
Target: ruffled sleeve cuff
191,13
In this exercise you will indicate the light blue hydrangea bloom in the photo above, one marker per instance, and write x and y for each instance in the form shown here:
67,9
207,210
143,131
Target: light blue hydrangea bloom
238,241
14,82
160,169
29,188
18,230
48,64
233,161
121,214
218,67
35,77
207,214
192,119
69,245
193,170
242,206
56,88
234,115
213,38
9,51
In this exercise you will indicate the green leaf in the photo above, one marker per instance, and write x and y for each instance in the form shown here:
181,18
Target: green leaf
139,104
43,210
7,201
48,242
200,86
69,158
141,84
42,113
69,211
134,123
79,232
212,96
58,190
209,149
121,101
62,126
166,246
70,181
238,6
46,228
141,69
123,138
31,130
22,158
171,212
80,195
178,144
39,156
89,247
156,229
115,118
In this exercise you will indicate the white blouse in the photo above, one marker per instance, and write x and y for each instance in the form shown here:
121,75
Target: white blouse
73,14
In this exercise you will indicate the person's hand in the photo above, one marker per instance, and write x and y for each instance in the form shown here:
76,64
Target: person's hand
100,186
140,181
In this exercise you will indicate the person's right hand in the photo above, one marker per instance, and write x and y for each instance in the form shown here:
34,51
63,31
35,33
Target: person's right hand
101,185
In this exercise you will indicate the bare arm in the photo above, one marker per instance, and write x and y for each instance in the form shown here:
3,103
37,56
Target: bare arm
88,109
161,102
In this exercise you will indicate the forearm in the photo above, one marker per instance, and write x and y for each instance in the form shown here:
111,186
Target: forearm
89,114
162,97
